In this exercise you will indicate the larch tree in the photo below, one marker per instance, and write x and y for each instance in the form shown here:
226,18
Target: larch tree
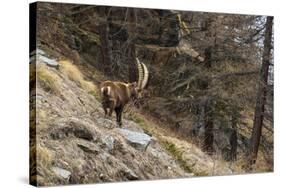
261,93
105,42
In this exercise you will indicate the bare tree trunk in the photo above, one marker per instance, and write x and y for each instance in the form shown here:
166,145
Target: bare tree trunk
209,136
105,44
261,94
233,139
132,63
131,47
208,144
208,57
105,48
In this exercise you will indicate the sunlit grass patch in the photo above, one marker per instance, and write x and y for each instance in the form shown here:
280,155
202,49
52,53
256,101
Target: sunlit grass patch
44,156
48,79
74,74
71,71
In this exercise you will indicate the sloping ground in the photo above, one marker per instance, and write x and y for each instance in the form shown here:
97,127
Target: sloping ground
191,158
76,144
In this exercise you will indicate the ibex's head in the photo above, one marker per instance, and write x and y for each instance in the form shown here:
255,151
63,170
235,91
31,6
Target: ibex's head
133,89
142,78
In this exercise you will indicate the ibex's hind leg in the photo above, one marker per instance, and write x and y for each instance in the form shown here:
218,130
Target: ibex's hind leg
119,115
111,107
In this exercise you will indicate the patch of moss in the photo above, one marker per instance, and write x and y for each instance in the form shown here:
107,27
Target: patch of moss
134,117
174,151
95,94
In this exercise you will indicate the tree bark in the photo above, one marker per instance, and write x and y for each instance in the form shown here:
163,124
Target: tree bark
105,45
233,139
132,63
131,46
208,57
208,144
261,94
209,136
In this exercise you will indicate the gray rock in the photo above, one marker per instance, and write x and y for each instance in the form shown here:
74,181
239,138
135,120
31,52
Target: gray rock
109,142
88,147
74,127
82,132
61,172
37,51
47,61
107,123
136,139
129,174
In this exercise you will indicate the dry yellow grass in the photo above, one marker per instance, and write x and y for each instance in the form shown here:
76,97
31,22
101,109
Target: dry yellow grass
44,156
89,86
48,79
42,118
75,75
42,115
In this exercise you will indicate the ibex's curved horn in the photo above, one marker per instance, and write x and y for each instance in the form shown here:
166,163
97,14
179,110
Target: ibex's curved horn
140,73
145,76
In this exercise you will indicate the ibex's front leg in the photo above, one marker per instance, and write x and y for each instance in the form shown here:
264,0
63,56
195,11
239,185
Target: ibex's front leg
119,111
111,106
104,106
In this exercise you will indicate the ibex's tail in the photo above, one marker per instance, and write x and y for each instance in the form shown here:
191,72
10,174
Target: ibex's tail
105,91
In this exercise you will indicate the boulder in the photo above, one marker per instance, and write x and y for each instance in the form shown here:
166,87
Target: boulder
47,61
129,174
37,51
136,139
76,128
88,147
109,142
62,172
107,123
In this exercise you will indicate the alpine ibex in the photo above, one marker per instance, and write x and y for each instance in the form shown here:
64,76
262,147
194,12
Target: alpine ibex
115,95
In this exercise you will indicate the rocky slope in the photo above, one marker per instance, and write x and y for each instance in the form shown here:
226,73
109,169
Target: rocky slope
76,144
